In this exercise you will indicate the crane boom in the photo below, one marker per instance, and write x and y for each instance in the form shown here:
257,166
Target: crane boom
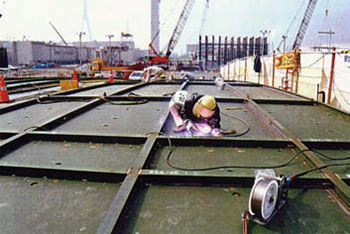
304,24
179,26
54,28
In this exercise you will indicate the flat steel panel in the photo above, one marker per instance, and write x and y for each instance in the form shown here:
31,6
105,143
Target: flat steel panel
157,89
176,209
119,119
266,93
44,205
316,122
228,160
211,90
74,155
35,115
99,91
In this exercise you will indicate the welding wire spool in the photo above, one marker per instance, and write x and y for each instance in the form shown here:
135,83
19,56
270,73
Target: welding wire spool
263,198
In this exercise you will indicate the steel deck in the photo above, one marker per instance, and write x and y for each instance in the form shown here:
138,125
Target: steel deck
71,162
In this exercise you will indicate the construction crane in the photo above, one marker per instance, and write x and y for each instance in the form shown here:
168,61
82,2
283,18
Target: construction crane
304,24
164,59
54,28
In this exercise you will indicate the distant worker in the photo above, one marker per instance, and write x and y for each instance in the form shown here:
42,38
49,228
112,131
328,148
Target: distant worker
170,77
153,73
195,113
186,76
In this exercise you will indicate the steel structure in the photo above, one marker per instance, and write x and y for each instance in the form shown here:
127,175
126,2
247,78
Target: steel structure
186,10
112,164
304,24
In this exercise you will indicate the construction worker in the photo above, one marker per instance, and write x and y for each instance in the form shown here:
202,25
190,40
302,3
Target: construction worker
153,73
186,76
195,113
170,77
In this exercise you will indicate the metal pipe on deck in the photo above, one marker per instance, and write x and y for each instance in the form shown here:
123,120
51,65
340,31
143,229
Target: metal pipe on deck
206,52
331,78
213,51
219,51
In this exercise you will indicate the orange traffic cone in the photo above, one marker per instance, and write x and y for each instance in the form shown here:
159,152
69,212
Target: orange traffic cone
75,77
4,95
111,79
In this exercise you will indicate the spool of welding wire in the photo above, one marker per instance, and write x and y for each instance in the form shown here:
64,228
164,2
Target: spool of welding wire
263,197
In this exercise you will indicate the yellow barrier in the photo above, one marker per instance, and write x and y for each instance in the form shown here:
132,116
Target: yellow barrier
68,84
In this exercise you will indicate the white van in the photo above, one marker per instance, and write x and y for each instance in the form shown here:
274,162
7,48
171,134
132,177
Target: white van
136,75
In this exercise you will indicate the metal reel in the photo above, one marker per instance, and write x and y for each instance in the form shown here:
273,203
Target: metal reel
263,199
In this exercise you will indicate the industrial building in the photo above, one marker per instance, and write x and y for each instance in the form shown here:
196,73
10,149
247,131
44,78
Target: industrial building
28,53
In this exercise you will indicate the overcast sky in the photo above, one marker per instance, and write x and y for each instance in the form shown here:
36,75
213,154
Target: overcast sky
30,19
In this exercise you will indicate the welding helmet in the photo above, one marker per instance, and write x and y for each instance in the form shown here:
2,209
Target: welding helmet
204,107
180,97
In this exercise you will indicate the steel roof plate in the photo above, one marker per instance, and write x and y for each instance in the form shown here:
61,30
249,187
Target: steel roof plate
263,92
41,205
155,89
119,119
35,115
227,160
99,91
90,156
211,90
312,122
185,209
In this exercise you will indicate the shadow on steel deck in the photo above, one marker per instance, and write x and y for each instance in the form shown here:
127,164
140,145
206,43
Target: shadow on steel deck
73,163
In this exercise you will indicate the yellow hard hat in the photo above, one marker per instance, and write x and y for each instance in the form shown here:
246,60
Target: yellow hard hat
204,107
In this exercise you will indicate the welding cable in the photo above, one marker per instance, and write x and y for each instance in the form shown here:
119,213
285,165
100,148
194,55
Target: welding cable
240,120
248,167
36,128
168,94
60,100
131,102
329,158
37,87
232,166
291,177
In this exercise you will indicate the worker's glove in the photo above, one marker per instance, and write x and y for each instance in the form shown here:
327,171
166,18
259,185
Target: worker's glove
217,132
190,126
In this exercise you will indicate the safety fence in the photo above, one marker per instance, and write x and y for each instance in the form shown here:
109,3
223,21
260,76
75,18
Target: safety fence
323,76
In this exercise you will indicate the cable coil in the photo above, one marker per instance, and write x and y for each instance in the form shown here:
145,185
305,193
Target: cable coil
263,198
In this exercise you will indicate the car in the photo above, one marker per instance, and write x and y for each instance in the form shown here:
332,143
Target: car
136,75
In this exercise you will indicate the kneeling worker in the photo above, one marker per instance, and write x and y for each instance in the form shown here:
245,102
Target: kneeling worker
153,72
197,113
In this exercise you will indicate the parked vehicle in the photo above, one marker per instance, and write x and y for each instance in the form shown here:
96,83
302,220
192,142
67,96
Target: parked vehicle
136,75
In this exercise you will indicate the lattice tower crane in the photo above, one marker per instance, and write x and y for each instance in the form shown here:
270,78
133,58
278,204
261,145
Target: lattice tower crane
304,24
159,59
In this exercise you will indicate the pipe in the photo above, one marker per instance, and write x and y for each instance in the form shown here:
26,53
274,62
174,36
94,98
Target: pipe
273,68
331,76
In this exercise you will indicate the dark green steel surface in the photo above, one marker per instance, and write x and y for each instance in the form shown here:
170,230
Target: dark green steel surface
316,122
153,197
202,157
334,156
99,91
35,115
119,119
186,209
264,92
157,89
45,205
74,155
211,90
